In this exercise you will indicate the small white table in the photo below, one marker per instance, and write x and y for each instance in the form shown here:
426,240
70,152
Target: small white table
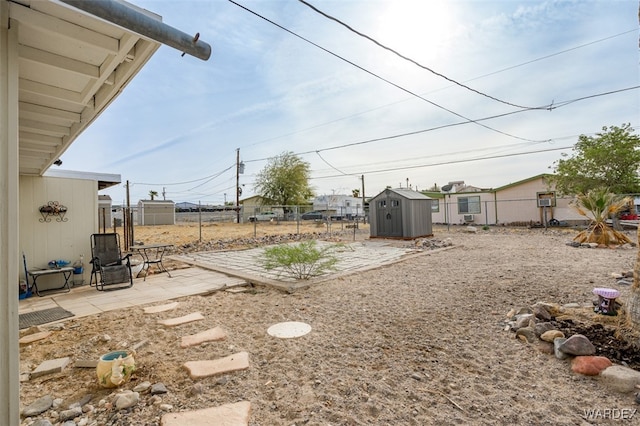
152,254
66,272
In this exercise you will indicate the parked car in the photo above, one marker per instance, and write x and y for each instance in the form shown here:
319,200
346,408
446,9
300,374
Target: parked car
313,215
263,217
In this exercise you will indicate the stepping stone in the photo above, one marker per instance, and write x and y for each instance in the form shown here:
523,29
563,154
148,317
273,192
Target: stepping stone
160,308
34,337
205,336
236,414
50,366
289,330
200,369
172,322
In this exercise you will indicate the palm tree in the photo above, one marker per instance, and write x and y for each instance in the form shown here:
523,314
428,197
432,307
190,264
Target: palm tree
153,194
598,205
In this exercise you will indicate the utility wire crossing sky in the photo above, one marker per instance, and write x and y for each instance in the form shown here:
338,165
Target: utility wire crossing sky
402,92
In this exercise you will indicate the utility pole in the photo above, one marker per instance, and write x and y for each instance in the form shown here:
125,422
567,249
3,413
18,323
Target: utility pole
126,222
364,216
239,171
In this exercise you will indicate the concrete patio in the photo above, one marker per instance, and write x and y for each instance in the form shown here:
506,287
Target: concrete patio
213,271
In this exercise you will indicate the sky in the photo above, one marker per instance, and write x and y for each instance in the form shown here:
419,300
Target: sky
428,92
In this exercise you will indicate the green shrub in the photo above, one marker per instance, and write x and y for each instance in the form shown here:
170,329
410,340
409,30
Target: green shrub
301,261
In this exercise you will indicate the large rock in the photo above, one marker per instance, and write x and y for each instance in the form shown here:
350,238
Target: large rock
526,334
69,414
543,327
541,312
38,406
551,335
621,379
126,399
589,365
523,320
557,342
577,345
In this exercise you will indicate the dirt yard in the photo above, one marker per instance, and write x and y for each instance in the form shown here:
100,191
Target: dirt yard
420,342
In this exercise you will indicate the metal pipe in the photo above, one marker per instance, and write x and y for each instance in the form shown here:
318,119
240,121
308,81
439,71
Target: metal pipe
133,20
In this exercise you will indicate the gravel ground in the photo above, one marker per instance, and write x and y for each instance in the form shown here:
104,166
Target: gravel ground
420,342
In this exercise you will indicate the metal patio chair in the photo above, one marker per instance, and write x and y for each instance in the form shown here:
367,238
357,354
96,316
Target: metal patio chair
109,267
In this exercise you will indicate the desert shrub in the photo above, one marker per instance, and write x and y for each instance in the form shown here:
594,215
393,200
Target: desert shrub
301,261
598,205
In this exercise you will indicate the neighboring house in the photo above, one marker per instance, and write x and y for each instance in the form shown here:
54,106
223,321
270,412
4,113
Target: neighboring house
461,203
400,213
339,205
61,67
531,200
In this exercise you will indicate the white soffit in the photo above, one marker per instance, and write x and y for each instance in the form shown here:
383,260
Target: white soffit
72,65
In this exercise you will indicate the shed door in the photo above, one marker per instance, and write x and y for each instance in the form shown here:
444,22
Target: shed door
389,217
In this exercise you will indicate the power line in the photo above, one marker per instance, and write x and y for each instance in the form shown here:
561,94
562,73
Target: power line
380,77
471,79
449,154
459,123
185,182
419,166
406,58
331,165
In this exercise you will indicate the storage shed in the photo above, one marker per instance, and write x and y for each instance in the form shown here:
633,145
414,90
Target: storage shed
400,213
156,212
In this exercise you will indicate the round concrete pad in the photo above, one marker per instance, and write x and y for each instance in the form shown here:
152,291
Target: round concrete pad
287,330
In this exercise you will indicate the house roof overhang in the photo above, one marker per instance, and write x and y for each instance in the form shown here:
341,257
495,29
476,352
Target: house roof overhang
71,66
105,180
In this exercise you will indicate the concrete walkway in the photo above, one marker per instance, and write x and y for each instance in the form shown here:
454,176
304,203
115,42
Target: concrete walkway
85,300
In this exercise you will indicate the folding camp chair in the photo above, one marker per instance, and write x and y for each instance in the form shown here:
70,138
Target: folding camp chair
109,266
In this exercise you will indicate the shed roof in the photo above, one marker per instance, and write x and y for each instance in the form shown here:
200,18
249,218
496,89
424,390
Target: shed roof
406,193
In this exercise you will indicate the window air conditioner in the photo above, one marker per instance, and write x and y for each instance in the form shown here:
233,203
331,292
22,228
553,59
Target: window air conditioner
468,218
544,202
